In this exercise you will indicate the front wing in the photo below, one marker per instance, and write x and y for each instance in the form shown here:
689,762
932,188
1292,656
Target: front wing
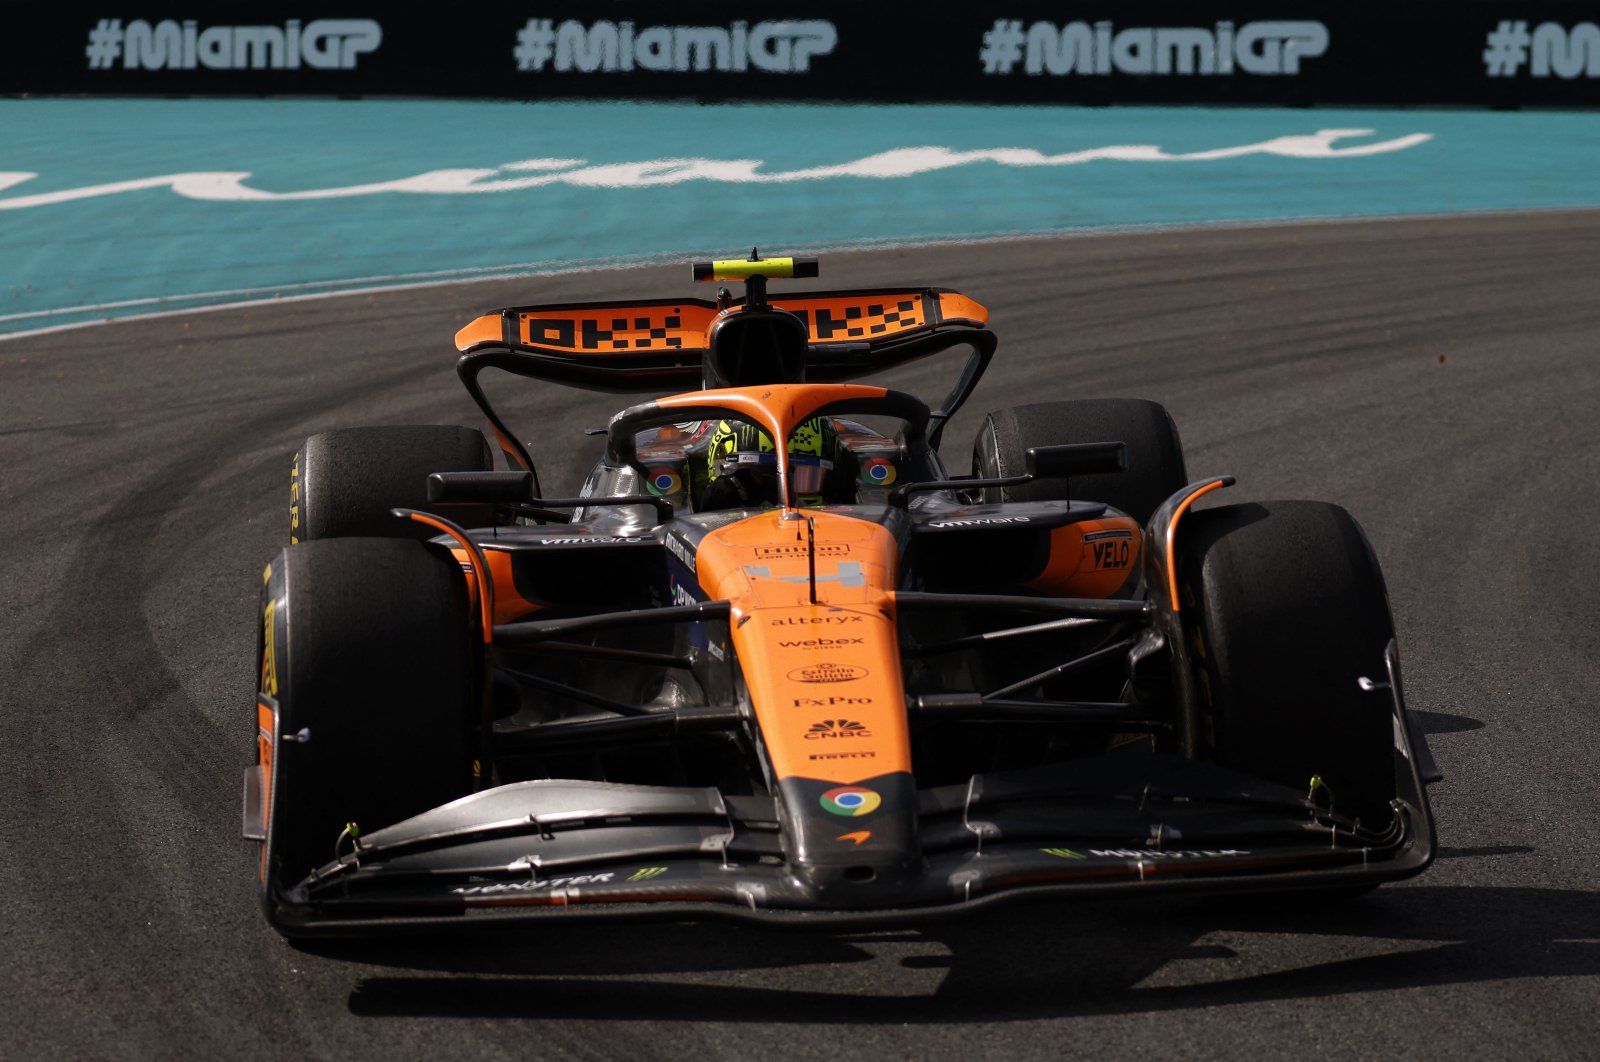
1133,824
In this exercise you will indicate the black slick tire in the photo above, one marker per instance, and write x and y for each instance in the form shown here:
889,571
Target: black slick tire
344,482
1155,454
370,660
1285,609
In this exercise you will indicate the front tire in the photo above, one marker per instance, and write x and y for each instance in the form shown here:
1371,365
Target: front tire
368,655
1285,609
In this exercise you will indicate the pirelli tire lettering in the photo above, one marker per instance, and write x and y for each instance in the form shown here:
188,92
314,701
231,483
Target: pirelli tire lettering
272,633
269,649
295,498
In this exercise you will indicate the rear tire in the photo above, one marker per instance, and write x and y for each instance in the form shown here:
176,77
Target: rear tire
345,482
1285,609
1155,454
372,661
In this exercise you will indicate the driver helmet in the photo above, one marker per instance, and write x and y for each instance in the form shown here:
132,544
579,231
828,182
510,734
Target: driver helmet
741,448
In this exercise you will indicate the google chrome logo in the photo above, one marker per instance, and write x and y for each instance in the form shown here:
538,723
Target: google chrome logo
663,481
851,800
878,471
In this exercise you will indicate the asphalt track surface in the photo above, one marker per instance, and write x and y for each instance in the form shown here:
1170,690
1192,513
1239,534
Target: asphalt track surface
1438,377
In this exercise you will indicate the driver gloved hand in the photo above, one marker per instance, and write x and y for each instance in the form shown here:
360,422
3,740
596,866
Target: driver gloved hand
740,490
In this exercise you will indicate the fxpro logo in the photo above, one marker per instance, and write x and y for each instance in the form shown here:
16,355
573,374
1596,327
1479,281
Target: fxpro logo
784,46
321,44
1262,48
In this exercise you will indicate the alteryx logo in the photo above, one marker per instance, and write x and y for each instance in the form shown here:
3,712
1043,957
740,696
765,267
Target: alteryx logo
321,44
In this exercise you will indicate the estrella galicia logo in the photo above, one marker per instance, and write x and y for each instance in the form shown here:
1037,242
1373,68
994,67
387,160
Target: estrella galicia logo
851,801
825,672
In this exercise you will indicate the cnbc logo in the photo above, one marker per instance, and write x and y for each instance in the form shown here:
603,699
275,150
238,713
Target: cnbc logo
837,728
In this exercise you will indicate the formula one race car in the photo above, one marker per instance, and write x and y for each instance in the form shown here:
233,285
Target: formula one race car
776,663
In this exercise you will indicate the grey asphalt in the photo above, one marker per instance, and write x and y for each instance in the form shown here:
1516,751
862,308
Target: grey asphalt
1441,378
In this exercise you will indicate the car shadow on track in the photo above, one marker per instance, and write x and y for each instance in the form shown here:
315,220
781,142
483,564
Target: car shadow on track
1446,722
1023,964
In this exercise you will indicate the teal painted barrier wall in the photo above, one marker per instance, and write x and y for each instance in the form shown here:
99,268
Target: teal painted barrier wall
118,207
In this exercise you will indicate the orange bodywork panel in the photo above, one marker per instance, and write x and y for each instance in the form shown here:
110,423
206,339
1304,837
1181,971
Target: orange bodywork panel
1172,537
482,331
266,728
954,306
509,606
1091,558
812,663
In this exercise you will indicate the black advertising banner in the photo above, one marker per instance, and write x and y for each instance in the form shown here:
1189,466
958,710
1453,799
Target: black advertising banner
1406,52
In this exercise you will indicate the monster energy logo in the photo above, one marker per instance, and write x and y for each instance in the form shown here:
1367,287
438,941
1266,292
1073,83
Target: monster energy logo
646,873
1063,853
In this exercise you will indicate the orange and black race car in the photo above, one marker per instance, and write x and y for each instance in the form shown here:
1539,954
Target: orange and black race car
776,663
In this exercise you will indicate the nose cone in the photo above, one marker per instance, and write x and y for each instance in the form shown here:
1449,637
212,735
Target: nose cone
852,845
871,882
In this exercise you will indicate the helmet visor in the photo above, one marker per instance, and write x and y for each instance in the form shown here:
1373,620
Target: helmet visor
807,472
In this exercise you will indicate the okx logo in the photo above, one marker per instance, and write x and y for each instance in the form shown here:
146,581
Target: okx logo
851,801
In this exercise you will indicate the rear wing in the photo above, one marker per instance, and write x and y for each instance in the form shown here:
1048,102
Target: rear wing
658,346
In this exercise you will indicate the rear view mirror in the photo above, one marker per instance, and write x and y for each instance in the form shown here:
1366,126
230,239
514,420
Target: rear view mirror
1076,459
1040,462
494,488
